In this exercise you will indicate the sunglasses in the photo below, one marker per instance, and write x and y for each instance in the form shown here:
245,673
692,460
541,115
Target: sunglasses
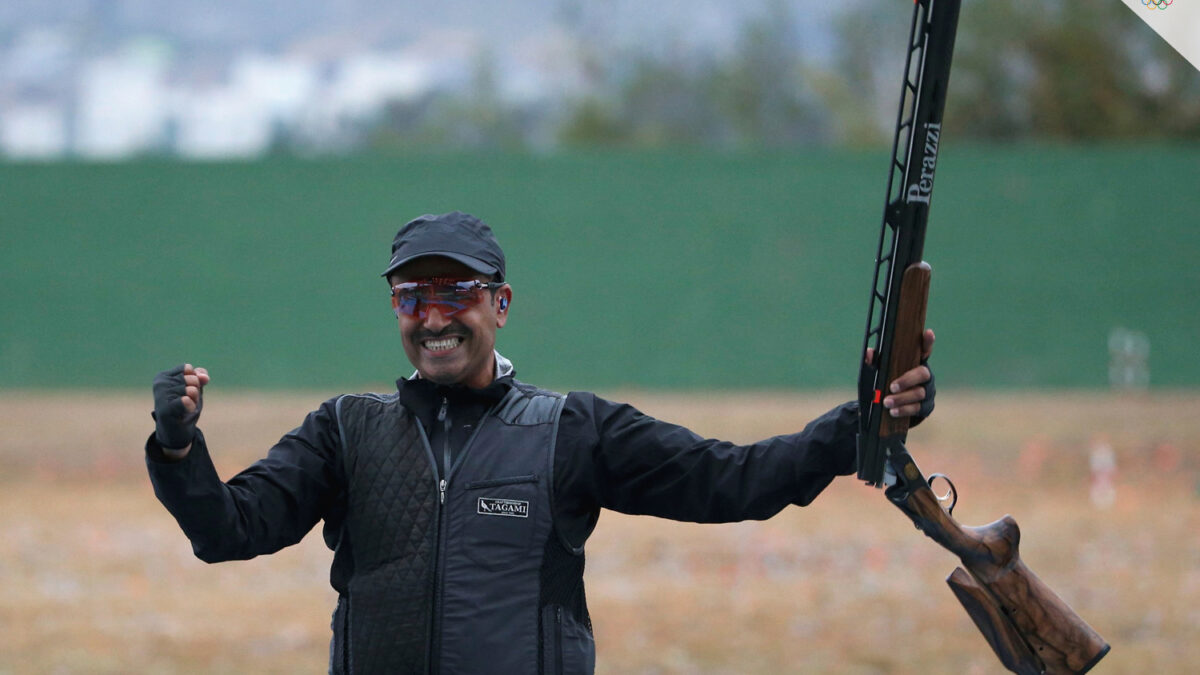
450,296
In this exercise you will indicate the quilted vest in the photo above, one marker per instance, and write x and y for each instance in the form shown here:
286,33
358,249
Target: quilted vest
447,564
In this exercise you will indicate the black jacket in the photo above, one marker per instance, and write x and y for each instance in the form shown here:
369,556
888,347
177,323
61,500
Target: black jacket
607,455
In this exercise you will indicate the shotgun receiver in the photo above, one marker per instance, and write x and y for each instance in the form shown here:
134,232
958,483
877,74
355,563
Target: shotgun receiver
1028,626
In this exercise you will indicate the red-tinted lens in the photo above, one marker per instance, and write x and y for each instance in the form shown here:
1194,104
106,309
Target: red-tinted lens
414,298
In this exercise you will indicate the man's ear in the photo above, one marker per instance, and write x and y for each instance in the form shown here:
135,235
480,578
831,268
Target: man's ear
502,300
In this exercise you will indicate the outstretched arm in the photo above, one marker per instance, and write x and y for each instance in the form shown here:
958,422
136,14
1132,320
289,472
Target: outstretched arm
640,465
622,459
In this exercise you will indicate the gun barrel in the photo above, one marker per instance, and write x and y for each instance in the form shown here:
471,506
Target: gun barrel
906,211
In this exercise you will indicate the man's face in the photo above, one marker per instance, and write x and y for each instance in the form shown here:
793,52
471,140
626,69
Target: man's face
452,349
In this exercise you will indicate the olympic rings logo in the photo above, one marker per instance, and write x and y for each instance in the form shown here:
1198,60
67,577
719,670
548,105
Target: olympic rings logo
1157,4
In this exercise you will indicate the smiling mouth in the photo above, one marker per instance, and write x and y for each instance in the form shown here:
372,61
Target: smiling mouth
442,344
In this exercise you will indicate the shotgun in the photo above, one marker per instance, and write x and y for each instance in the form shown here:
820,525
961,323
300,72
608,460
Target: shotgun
1028,626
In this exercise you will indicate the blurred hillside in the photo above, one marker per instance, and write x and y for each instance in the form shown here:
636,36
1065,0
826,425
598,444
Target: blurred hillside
118,78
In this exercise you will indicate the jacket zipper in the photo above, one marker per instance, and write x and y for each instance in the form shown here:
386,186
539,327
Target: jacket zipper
558,645
435,639
431,623
444,418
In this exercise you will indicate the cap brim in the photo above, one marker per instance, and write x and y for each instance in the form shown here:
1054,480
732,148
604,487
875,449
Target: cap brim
474,263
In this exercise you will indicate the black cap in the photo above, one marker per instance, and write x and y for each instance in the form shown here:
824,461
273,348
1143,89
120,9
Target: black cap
455,235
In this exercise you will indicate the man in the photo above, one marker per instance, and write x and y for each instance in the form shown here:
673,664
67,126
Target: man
457,506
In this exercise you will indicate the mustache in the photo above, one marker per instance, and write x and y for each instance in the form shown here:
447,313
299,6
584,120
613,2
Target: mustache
448,331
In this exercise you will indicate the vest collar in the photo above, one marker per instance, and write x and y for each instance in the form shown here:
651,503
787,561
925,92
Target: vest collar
423,397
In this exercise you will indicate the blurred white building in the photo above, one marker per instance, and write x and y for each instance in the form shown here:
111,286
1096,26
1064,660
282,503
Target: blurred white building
135,99
122,105
364,81
34,131
361,83
241,117
126,103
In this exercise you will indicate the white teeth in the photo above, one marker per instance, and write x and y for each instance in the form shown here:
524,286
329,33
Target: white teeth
444,344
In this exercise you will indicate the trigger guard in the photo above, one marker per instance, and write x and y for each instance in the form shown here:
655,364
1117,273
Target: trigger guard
951,492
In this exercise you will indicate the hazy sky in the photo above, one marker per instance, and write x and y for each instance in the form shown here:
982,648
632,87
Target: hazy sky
276,24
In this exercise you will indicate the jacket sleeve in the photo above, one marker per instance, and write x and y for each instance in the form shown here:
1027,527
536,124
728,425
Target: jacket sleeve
270,505
641,465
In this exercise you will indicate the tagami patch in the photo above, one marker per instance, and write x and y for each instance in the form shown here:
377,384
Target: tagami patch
513,508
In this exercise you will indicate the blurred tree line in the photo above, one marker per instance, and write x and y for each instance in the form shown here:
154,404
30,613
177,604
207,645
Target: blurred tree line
1057,70
1068,69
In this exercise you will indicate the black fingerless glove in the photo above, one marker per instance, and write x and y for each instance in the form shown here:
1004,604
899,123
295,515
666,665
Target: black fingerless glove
175,426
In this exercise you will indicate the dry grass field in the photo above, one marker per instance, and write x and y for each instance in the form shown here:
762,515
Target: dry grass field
97,578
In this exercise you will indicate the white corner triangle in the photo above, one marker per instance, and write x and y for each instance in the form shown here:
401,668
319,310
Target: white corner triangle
1176,21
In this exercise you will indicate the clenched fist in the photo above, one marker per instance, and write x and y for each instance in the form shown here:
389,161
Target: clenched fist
177,404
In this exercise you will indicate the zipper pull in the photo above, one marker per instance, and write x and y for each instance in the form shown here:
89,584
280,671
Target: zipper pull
442,489
444,418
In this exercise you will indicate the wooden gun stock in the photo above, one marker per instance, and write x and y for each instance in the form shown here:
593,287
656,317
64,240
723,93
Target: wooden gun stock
1029,627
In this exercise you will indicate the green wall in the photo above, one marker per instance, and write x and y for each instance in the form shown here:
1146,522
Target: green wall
630,269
